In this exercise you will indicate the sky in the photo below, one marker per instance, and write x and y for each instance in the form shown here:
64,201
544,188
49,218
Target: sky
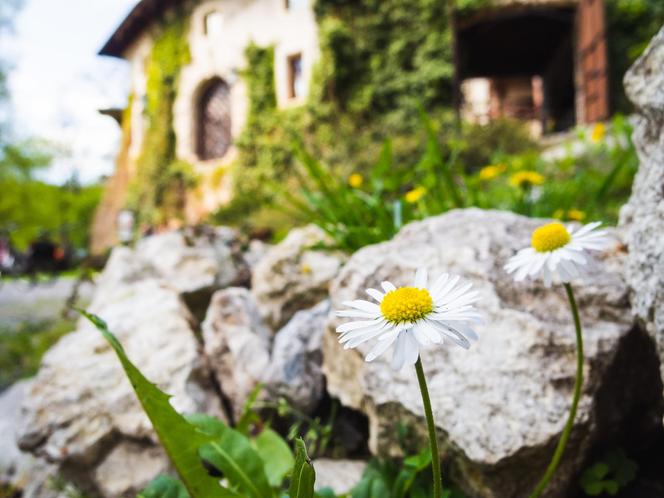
57,82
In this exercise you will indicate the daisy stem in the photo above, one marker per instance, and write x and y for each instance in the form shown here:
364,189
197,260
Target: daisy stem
433,440
558,454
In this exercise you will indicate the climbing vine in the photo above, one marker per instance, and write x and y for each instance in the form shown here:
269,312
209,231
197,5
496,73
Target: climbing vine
157,193
265,154
379,61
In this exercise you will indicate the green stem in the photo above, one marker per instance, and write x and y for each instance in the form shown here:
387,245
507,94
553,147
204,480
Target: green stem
433,441
558,454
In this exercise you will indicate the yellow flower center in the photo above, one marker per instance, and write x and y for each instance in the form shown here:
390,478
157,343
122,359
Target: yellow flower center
550,237
407,304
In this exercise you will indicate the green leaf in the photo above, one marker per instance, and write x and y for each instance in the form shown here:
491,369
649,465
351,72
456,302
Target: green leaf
179,438
276,455
611,487
164,487
232,453
372,485
325,493
593,488
249,416
303,476
600,470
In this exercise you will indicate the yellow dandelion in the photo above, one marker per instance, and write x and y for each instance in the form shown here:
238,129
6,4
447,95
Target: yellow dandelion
355,180
492,171
415,195
524,179
575,215
598,132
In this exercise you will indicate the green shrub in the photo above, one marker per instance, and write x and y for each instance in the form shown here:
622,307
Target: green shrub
22,348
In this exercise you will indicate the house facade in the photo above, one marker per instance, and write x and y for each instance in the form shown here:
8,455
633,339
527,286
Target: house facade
211,105
540,61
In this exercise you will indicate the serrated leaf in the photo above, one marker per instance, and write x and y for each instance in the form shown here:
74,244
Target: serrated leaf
276,455
164,487
303,476
179,438
232,453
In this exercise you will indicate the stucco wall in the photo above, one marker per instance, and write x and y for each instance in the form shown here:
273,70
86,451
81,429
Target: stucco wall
221,54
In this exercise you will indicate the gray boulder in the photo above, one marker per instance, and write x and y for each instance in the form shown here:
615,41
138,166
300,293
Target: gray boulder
237,344
297,356
294,275
339,475
18,470
81,411
501,406
643,215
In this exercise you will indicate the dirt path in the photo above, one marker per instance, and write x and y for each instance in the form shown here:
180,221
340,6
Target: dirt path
21,302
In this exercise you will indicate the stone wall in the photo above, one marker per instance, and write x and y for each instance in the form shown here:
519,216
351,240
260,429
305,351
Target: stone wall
643,216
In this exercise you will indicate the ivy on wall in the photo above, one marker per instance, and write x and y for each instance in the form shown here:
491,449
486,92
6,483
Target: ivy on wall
264,153
380,59
158,191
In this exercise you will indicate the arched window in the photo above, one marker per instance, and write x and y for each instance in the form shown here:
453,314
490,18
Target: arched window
214,120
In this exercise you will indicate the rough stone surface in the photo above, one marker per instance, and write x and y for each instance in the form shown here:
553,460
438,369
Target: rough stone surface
643,215
81,408
195,261
293,275
18,469
295,370
130,465
501,406
237,344
339,475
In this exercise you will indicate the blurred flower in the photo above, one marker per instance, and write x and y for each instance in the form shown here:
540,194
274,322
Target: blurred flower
355,180
598,132
524,179
412,318
306,269
415,195
575,215
490,172
558,253
570,214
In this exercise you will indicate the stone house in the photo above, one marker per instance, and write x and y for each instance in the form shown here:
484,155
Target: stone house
543,61
211,105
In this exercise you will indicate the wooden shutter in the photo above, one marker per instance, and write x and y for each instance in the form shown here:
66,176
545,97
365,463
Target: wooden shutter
214,121
592,83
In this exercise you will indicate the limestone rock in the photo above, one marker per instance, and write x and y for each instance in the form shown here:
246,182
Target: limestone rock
339,475
237,344
18,469
297,356
129,467
501,406
195,261
293,275
643,215
81,407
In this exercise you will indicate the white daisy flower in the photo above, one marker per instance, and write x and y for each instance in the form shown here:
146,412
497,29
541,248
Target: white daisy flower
558,254
412,318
